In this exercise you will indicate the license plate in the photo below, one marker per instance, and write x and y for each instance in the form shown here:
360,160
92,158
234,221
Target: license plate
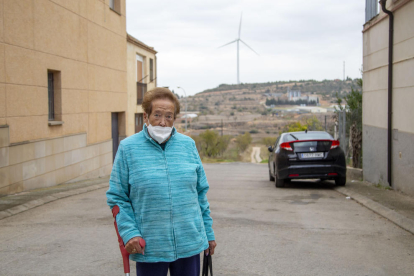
312,155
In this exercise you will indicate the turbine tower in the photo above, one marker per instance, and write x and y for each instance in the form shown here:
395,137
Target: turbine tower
239,40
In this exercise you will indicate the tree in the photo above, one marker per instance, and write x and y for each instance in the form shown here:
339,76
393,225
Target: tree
313,124
354,121
296,126
309,123
354,106
269,141
210,143
243,141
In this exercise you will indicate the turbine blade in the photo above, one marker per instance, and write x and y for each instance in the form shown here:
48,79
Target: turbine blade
240,24
249,47
228,43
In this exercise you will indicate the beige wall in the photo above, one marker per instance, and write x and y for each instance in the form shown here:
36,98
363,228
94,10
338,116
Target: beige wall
83,39
375,98
375,76
132,50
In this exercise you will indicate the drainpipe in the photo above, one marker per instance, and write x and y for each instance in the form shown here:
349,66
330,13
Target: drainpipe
156,69
390,64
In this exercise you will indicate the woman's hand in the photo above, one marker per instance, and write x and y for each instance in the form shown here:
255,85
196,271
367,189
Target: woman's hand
133,247
211,246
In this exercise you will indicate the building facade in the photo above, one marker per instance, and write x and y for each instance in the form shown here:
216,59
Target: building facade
63,92
141,77
375,95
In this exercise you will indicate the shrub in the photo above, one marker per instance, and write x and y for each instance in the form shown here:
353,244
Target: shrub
243,141
210,143
269,141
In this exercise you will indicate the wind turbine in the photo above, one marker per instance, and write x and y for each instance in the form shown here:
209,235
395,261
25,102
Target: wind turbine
239,40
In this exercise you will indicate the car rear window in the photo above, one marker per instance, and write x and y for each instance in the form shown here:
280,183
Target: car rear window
308,136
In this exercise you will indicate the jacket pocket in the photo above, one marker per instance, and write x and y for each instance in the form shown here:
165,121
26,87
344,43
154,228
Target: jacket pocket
188,229
157,232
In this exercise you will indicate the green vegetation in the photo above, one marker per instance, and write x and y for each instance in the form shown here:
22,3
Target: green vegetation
379,186
209,143
309,123
321,87
353,106
243,141
269,141
214,148
353,127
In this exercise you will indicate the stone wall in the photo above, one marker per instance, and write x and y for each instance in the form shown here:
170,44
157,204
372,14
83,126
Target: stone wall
49,162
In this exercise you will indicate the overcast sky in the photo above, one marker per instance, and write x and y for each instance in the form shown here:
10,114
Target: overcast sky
295,39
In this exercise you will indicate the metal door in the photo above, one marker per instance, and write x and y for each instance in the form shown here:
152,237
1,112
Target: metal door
139,122
115,134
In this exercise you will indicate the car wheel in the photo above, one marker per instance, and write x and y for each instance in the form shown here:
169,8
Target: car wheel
341,181
271,178
279,183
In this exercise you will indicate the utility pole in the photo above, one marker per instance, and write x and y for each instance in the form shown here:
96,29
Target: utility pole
221,127
344,131
344,70
238,64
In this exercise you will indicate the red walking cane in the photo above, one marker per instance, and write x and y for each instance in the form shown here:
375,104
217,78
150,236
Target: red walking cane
124,253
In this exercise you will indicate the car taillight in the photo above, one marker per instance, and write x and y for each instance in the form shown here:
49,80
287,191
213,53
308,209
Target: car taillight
335,144
286,146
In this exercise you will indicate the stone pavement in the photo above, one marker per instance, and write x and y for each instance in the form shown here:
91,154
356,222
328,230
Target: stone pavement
13,204
393,205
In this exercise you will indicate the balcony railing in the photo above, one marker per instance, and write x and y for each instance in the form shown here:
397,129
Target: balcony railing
141,89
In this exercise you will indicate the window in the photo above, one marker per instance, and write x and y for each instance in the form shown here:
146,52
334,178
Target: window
54,95
115,5
151,69
51,96
308,136
139,122
371,9
277,141
140,68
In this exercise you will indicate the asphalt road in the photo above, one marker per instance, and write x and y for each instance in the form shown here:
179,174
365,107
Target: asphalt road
304,229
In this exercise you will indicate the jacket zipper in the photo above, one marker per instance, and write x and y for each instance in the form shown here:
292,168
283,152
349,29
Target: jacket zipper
171,212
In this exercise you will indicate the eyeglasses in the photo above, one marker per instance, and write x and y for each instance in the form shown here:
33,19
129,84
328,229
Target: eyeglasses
159,116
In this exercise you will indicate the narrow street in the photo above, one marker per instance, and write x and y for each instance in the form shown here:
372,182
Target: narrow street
306,228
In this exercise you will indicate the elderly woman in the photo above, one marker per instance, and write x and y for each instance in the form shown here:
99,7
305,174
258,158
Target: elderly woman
159,184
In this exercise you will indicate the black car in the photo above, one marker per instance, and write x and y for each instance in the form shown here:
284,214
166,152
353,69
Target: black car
306,154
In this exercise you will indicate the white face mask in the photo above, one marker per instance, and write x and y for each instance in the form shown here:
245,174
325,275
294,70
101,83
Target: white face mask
159,133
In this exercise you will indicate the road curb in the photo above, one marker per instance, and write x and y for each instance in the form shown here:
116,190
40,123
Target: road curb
400,220
47,199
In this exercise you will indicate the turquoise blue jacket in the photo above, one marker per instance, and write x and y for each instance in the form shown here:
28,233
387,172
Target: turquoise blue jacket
162,197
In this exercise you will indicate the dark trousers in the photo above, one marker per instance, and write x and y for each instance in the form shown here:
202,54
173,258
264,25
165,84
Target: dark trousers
182,267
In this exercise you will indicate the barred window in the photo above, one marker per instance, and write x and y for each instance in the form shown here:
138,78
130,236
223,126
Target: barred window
371,9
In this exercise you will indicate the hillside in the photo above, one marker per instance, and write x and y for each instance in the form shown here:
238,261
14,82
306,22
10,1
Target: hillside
241,108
